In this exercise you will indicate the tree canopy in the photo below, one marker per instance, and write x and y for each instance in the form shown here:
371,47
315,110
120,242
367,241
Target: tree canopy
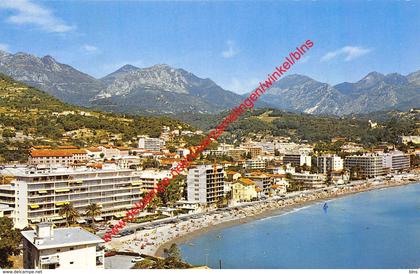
10,239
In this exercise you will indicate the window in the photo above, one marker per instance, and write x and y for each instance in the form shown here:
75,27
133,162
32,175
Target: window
71,262
58,250
71,248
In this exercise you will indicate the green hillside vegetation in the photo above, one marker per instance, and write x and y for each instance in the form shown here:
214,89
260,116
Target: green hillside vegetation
29,117
309,127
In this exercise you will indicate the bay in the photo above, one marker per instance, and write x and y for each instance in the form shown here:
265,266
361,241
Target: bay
376,229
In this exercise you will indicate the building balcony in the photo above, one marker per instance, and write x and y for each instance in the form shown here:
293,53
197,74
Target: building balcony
49,260
100,253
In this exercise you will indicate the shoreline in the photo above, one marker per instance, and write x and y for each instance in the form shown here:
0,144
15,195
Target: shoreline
154,240
182,239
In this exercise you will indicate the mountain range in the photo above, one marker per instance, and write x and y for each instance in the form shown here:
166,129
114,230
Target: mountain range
161,89
375,92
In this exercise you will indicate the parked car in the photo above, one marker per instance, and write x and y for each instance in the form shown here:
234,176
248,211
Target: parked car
110,253
127,232
137,259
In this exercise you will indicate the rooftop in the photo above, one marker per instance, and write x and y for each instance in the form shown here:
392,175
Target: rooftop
27,171
69,236
94,149
56,152
246,181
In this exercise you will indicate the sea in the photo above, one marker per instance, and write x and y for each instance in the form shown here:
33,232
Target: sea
377,229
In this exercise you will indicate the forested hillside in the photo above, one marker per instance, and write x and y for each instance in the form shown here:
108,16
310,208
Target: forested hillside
29,116
313,128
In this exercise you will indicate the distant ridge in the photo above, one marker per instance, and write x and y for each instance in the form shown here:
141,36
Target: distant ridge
161,89
374,92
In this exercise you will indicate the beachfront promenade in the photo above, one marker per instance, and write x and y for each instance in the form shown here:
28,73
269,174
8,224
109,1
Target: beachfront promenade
152,237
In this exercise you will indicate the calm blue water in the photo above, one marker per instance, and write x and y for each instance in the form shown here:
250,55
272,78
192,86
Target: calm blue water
378,229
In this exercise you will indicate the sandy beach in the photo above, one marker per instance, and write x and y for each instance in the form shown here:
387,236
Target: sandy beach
154,241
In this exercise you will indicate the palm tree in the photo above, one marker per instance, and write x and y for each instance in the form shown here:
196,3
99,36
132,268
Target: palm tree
92,211
69,213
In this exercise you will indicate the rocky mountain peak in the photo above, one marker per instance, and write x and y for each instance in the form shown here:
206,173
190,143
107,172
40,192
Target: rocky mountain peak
396,79
50,63
59,80
295,80
127,68
372,77
48,59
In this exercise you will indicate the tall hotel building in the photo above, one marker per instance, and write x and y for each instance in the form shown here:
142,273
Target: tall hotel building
328,163
298,159
396,161
37,195
370,165
205,184
153,144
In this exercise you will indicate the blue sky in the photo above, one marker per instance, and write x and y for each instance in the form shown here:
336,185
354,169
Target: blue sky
235,43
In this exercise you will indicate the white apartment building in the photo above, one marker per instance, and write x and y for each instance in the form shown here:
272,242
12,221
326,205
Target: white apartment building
328,163
369,165
61,248
225,147
94,152
205,184
396,161
128,162
255,164
298,159
284,147
268,147
110,152
39,194
263,181
254,151
214,152
153,144
150,178
288,147
314,180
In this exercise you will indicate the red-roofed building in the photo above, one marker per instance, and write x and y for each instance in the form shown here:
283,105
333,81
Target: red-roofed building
57,157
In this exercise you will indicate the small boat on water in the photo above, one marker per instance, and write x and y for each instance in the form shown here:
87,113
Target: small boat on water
325,207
